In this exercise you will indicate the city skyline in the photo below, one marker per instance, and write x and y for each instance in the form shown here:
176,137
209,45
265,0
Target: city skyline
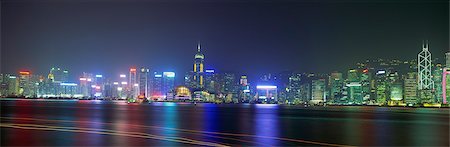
264,47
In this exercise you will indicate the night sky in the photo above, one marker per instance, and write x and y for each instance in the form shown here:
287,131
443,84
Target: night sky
252,37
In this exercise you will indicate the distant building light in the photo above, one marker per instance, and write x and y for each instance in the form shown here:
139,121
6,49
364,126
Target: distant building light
209,70
169,74
266,87
24,72
116,83
65,71
158,76
123,76
97,87
381,72
246,90
93,86
352,84
99,76
132,69
68,84
83,79
136,85
89,79
12,77
119,88
124,83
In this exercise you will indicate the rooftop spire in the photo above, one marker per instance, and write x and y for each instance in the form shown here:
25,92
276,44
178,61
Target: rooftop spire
198,47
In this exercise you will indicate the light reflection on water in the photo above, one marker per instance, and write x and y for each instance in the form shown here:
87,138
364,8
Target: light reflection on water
346,125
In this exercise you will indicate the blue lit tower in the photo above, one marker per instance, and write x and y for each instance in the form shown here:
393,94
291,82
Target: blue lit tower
199,68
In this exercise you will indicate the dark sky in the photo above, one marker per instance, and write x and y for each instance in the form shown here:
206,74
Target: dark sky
253,37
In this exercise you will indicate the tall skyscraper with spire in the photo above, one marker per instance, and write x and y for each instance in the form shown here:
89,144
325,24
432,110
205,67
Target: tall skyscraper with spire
199,68
425,82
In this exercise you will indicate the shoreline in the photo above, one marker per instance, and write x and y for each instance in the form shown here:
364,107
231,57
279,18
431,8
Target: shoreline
200,102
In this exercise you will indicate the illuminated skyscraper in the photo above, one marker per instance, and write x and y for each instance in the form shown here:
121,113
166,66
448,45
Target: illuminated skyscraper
198,68
144,82
267,93
168,82
447,60
336,83
410,88
211,81
293,89
425,84
318,91
133,83
244,89
58,75
27,87
157,82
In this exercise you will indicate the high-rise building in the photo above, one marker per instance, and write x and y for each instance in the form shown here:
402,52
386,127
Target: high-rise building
199,68
353,76
144,82
318,91
133,83
425,84
293,89
267,93
336,83
366,78
168,82
410,88
157,86
10,85
447,60
211,81
229,83
381,87
27,85
244,89
59,75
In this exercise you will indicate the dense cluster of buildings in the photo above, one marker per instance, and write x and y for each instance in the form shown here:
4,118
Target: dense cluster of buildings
372,82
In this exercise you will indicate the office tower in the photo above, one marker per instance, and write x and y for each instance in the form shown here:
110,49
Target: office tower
353,87
189,80
366,78
425,84
353,76
244,89
293,90
336,83
437,79
198,68
68,89
144,82
26,84
267,93
318,91
86,85
211,81
10,85
410,88
396,92
59,75
381,85
168,82
133,83
447,60
229,83
157,82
